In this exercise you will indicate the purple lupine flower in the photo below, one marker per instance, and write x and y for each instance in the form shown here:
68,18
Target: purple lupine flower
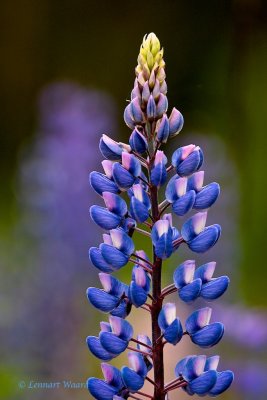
141,168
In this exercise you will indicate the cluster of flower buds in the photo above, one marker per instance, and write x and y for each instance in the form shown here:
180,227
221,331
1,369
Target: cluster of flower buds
139,170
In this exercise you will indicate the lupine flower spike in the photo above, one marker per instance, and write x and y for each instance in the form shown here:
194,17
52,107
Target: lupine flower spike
141,169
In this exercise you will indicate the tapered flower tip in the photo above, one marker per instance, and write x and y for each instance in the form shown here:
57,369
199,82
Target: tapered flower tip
122,241
179,369
207,196
136,112
184,273
194,367
184,204
112,375
162,105
194,226
121,328
138,210
195,181
206,239
198,319
224,381
212,363
104,218
128,117
215,288
209,335
144,339
151,108
174,333
107,167
205,271
110,149
137,294
98,260
115,203
191,291
112,343
132,380
101,183
102,300
97,349
138,142
101,390
176,122
163,129
203,383
160,158
137,363
166,316
141,195
131,163
123,178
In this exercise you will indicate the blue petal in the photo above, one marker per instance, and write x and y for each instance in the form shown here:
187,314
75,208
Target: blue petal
176,121
131,163
159,175
100,183
206,239
180,366
151,108
191,291
138,142
132,380
121,328
195,181
97,349
112,375
194,367
128,224
137,294
112,285
122,241
162,105
113,256
137,363
115,203
198,319
136,111
189,165
112,343
123,309
164,247
205,271
204,382
163,129
170,192
214,288
138,210
166,316
194,226
141,278
209,335
207,196
101,390
122,177
224,380
174,333
98,261
184,203
184,274
110,149
128,117
104,218
101,300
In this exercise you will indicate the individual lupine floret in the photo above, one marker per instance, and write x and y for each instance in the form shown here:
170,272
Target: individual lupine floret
112,216
198,238
110,149
112,298
176,123
161,235
188,287
139,287
113,383
175,232
187,159
102,183
212,288
138,142
124,174
95,346
159,173
163,129
205,195
169,324
176,193
200,374
201,331
140,203
134,377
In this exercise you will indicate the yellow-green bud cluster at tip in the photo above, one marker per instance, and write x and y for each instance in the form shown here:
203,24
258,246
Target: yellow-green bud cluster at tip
150,61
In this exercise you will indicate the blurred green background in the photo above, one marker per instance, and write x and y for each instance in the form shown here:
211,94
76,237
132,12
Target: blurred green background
216,59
